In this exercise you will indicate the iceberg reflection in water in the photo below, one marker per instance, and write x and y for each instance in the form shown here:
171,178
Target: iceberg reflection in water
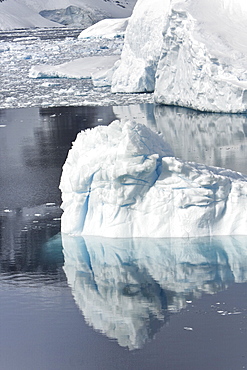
127,288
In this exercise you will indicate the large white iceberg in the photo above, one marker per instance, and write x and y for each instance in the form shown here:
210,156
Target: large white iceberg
128,288
204,58
122,180
201,57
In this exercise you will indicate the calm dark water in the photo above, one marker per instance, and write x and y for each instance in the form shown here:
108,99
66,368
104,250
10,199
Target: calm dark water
113,304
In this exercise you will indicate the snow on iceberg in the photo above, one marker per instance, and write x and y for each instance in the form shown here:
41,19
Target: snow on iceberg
196,57
78,68
107,28
123,181
128,288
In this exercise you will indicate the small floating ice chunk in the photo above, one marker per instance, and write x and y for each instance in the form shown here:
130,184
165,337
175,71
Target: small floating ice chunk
188,328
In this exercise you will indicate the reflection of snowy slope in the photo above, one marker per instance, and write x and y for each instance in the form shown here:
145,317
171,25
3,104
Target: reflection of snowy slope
125,288
123,181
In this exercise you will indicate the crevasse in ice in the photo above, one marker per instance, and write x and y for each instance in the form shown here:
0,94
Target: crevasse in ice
196,56
122,180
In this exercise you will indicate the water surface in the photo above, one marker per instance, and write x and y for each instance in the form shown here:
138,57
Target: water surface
74,303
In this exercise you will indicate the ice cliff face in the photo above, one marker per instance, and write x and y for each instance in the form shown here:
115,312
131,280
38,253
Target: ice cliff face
142,48
123,181
127,288
201,60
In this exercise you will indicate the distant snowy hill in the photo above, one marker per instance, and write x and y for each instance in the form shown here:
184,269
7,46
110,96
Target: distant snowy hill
16,15
47,13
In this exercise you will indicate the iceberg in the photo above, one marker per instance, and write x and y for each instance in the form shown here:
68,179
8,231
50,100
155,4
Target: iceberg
128,288
123,180
204,57
142,47
84,68
196,57
107,28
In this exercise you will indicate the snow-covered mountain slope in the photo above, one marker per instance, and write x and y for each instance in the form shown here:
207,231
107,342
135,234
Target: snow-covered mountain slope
203,58
14,14
74,16
126,288
83,13
123,181
114,8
